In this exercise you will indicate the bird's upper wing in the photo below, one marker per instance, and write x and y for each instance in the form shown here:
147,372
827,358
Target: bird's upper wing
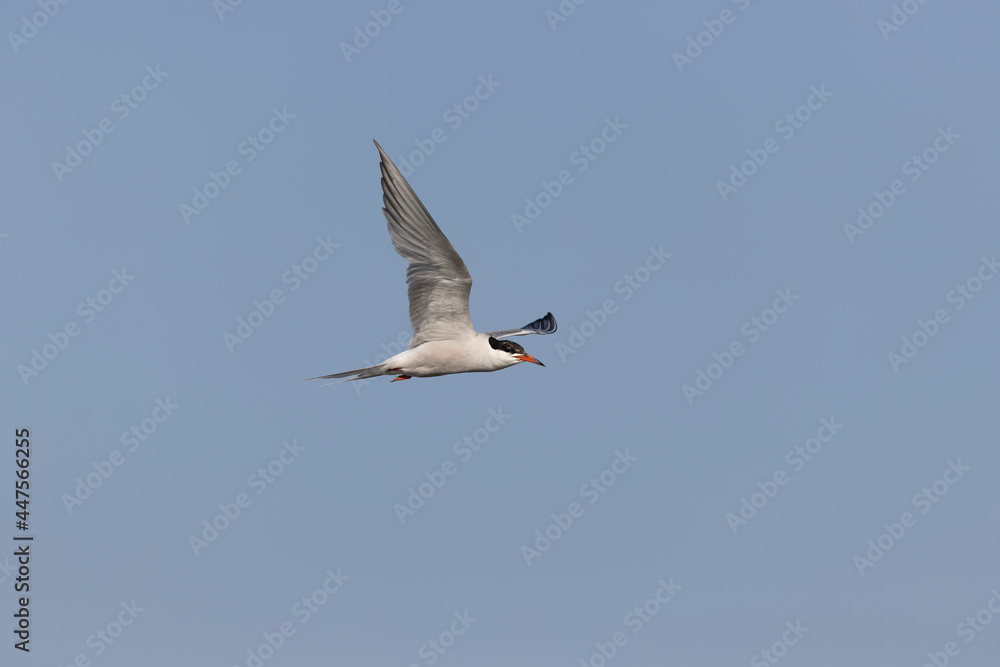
543,325
439,284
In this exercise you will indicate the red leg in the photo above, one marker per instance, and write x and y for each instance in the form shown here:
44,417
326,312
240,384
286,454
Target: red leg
401,377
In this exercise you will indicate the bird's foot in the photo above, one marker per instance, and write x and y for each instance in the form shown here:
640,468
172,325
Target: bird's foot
401,377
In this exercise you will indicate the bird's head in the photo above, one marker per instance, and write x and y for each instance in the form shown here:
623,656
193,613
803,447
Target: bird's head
513,351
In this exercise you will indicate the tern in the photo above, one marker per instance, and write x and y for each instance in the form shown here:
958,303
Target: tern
443,341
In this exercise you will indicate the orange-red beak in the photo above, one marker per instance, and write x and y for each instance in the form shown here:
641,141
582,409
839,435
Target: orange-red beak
528,357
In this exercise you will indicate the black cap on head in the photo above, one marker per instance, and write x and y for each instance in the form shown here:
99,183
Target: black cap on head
506,346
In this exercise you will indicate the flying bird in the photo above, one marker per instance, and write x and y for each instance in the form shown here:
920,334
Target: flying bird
443,341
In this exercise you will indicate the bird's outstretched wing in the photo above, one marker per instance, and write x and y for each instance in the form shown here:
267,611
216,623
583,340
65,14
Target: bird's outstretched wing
439,283
543,325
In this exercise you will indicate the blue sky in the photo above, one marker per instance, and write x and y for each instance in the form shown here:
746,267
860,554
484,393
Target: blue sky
763,432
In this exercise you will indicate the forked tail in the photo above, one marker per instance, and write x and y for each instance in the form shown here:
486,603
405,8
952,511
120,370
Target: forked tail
361,373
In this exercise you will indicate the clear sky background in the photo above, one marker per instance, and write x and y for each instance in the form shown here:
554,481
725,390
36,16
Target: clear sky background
805,553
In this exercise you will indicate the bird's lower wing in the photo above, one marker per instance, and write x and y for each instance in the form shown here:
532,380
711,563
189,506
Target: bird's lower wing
543,325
